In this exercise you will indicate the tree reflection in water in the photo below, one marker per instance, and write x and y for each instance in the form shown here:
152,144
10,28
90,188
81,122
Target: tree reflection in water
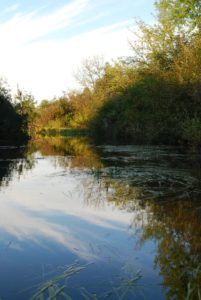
68,152
14,161
174,224
164,198
176,227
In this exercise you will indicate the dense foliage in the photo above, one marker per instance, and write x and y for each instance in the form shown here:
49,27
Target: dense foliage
11,121
152,97
54,114
162,102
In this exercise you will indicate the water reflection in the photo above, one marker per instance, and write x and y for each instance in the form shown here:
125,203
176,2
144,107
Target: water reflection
99,203
68,152
37,205
176,227
166,195
14,161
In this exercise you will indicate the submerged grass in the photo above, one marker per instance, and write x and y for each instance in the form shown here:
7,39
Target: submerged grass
193,292
88,296
129,286
52,289
194,285
56,288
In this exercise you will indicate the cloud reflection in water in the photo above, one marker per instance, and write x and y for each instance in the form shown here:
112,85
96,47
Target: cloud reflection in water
49,204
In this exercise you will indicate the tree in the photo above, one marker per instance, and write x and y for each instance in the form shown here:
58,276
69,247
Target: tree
55,114
116,77
185,15
177,22
10,120
25,106
91,70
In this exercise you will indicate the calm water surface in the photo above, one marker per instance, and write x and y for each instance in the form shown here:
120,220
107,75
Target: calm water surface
107,222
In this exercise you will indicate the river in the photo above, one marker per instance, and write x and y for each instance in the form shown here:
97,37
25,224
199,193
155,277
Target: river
79,221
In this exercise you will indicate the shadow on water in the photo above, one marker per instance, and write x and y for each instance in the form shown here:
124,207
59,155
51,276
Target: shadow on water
159,186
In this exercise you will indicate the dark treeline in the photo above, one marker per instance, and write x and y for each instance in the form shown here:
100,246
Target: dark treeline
16,115
152,97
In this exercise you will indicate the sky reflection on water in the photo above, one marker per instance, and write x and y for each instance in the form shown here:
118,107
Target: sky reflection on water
59,205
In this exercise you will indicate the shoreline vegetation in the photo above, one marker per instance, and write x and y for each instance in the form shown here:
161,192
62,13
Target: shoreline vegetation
152,97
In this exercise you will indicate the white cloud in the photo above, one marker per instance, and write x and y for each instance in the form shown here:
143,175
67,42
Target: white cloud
45,66
11,8
23,28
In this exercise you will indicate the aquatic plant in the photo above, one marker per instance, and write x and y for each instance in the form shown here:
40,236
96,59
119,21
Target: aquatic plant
52,288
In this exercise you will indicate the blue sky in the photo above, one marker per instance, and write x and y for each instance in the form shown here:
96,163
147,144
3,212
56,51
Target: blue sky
44,42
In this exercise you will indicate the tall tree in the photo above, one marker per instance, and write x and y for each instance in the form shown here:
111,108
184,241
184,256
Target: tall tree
25,106
185,15
10,121
91,70
177,22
